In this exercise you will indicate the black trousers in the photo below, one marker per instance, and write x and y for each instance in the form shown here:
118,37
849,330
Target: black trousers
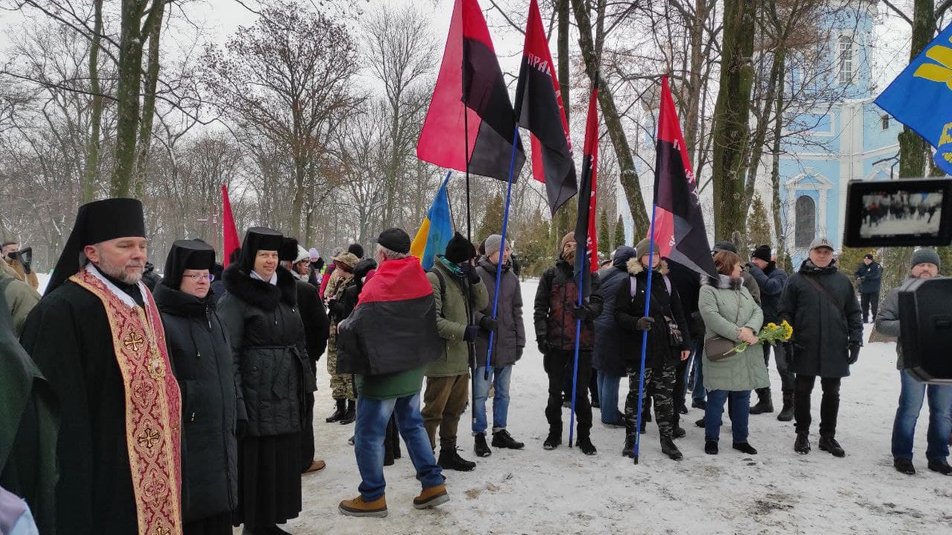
307,434
780,356
558,366
829,404
869,300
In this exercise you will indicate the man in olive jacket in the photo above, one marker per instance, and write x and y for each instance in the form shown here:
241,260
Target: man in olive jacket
820,304
458,292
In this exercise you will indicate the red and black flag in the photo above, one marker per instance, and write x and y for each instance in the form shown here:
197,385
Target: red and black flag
585,234
470,79
679,232
539,109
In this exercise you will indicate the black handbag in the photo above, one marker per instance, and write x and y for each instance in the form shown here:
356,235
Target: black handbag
719,348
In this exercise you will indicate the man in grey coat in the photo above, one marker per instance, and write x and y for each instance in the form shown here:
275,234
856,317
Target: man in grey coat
508,341
821,306
925,264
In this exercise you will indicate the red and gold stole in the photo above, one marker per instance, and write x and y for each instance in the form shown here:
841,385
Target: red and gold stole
153,407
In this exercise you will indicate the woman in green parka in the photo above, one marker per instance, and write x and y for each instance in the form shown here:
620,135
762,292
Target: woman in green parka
728,310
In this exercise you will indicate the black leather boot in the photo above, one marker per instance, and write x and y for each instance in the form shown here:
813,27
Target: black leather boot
339,413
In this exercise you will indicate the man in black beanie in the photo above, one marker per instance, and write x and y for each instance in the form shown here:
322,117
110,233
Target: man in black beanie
458,291
771,281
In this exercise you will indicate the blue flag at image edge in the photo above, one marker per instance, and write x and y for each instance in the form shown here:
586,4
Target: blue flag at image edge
921,97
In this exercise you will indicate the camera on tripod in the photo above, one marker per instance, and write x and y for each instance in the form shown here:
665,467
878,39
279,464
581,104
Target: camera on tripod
904,213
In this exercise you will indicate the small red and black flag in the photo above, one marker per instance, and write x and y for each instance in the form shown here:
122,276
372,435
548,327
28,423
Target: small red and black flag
540,110
679,232
585,224
470,75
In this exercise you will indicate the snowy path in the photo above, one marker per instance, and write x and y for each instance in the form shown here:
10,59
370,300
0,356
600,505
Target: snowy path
563,491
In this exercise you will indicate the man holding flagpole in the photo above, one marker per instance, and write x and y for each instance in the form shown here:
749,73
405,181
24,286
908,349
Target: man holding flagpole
555,316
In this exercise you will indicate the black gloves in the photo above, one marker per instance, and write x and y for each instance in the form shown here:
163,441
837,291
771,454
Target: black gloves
854,352
472,331
470,271
487,323
644,324
241,428
518,353
582,312
543,346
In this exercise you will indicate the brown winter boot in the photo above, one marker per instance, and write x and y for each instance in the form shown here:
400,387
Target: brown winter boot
431,497
359,507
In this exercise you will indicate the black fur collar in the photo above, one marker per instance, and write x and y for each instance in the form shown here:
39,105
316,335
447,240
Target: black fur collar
259,293
724,282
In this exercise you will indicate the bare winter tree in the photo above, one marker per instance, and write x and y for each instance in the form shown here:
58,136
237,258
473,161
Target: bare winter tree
289,79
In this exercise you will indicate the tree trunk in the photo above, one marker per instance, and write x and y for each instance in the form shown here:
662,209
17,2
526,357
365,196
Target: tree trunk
151,79
91,171
774,86
695,82
616,131
913,150
731,117
127,95
776,206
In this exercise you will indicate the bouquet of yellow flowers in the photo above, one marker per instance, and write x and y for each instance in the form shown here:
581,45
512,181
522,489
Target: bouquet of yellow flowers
770,334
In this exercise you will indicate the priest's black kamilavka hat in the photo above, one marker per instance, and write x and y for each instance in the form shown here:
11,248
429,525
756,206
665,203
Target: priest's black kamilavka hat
97,222
258,239
186,254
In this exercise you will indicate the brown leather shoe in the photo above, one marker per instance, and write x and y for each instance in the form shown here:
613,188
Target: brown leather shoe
316,466
431,497
359,507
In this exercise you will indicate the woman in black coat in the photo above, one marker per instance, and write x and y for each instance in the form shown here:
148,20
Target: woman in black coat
203,364
267,338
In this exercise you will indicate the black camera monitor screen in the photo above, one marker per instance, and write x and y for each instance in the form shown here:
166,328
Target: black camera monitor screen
899,212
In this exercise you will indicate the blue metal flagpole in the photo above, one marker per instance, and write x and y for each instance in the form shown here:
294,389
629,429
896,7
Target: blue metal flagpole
502,249
578,334
644,334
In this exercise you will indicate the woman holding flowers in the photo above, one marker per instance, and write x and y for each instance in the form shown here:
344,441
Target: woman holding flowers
729,311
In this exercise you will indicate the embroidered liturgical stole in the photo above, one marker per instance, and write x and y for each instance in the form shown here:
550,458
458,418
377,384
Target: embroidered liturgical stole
153,407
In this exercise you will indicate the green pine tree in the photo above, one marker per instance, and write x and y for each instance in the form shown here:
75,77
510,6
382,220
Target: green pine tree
619,233
492,220
758,223
604,238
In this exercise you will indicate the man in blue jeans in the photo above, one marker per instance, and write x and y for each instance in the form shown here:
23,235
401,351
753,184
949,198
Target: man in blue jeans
387,341
508,340
925,264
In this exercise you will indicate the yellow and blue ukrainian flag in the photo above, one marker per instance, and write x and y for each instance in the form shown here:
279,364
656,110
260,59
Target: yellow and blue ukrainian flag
436,230
921,97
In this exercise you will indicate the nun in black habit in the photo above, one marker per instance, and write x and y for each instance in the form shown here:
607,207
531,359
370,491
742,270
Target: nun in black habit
259,311
204,369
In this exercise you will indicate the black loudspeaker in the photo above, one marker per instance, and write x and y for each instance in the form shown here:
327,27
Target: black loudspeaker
925,313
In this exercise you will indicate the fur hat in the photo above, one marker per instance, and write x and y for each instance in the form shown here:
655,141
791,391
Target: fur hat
925,256
459,249
762,252
356,249
570,237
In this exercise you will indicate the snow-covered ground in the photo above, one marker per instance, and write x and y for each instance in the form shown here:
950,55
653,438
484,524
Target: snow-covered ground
910,225
563,491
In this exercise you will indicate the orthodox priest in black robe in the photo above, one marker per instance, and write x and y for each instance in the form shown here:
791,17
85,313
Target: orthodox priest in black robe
98,339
